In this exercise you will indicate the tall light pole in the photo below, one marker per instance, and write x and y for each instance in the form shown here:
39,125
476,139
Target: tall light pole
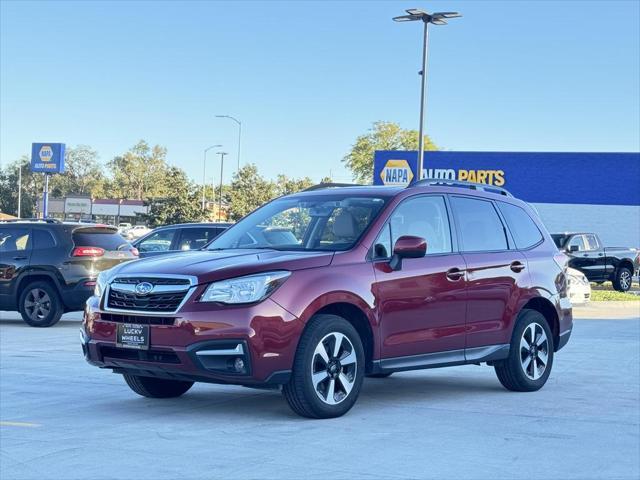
222,154
204,172
239,123
437,19
20,189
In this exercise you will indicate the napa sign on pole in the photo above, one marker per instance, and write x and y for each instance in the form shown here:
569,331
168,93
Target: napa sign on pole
47,158
537,177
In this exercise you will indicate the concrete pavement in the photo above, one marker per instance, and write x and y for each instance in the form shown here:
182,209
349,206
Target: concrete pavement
62,418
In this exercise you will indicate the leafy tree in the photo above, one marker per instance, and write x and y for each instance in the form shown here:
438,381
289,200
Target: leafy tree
285,185
248,191
82,173
32,184
382,136
140,173
181,204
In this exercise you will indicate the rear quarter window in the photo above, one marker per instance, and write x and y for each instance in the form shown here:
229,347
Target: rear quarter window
106,239
524,230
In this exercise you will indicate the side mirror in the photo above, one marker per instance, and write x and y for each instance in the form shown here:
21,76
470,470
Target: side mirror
407,246
574,248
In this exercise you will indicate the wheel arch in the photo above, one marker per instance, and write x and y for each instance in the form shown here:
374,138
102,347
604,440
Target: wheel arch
30,277
358,318
626,263
549,312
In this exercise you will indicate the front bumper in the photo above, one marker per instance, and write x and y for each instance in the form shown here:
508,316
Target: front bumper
199,343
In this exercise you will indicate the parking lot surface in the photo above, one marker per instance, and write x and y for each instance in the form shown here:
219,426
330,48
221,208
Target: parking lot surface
61,418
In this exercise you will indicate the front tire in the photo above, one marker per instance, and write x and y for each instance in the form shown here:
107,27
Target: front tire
156,387
328,369
531,354
622,280
40,305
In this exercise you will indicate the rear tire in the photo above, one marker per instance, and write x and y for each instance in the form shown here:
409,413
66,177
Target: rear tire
530,356
156,387
622,280
40,305
328,369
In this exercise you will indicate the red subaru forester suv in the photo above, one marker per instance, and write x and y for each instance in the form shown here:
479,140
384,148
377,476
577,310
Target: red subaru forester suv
314,291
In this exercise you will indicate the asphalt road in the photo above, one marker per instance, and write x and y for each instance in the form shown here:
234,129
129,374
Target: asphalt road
61,418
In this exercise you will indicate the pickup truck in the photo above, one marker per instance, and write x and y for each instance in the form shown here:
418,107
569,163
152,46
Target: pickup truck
599,264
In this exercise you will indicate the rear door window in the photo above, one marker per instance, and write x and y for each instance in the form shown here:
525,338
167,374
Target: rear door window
480,227
591,242
14,239
524,230
102,238
195,238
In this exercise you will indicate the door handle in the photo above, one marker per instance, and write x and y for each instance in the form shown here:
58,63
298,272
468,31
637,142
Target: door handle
601,254
585,255
516,266
19,258
454,274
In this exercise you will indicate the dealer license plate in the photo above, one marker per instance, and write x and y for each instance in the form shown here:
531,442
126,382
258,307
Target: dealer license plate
133,336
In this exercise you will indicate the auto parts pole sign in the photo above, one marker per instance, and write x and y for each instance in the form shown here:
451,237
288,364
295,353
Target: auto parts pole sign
539,177
47,157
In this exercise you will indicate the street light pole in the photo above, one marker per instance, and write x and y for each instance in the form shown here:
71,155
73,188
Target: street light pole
204,172
438,18
222,154
423,88
239,123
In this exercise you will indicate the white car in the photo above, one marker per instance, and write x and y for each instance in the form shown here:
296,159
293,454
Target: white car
579,287
136,232
123,227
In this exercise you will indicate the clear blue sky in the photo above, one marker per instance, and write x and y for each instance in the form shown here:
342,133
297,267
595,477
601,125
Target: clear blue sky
306,78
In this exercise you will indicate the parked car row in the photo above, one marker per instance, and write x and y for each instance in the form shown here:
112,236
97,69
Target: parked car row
598,263
48,267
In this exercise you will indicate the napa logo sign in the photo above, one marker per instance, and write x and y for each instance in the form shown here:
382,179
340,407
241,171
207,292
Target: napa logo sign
47,157
396,172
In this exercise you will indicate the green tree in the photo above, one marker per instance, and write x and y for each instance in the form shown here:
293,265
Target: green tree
382,136
83,174
181,204
32,184
285,185
249,190
140,173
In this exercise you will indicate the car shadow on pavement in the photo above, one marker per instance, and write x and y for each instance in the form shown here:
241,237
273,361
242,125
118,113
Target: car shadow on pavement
204,402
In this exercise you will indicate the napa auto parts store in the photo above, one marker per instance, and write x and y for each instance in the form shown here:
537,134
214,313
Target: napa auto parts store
594,192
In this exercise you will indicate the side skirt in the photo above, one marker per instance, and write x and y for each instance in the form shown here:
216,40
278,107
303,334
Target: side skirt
448,358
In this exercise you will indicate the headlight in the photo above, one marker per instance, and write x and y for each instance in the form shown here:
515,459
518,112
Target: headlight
101,283
249,289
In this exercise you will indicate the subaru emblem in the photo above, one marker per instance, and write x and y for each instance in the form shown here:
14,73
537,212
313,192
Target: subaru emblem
143,288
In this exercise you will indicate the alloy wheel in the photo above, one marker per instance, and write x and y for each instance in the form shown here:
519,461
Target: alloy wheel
625,280
333,368
37,304
534,351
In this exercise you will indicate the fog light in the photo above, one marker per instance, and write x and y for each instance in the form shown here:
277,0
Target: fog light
238,365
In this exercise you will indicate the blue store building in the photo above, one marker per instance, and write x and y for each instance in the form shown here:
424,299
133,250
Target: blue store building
597,192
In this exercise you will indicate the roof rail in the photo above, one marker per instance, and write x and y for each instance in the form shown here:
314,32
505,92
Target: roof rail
43,220
427,182
321,186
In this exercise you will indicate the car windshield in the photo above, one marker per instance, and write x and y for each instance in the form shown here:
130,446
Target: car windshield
306,223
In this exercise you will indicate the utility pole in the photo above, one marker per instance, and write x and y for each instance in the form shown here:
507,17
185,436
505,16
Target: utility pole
204,172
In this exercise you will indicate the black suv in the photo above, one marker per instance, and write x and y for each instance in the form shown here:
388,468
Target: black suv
49,267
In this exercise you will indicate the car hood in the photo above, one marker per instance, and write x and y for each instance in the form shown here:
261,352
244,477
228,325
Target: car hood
207,266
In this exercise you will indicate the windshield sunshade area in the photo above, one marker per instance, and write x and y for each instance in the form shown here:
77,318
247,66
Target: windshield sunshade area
308,223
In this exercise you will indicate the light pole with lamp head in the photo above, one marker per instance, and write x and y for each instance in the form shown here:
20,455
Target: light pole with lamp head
222,154
437,19
239,132
204,171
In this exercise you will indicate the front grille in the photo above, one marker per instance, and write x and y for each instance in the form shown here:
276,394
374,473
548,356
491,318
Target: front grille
153,302
152,280
137,319
158,356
